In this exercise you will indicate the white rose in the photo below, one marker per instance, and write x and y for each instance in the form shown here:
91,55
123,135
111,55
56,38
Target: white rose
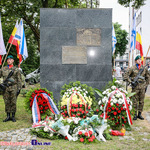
37,129
101,108
99,102
104,92
45,129
51,135
114,101
113,87
111,103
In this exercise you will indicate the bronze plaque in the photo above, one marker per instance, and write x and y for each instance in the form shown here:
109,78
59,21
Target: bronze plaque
74,55
90,37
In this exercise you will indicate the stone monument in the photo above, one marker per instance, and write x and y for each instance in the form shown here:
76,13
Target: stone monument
75,45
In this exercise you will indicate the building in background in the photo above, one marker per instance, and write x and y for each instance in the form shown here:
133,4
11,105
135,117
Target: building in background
142,27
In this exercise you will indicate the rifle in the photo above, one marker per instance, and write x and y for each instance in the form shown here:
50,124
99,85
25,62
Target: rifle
135,82
5,83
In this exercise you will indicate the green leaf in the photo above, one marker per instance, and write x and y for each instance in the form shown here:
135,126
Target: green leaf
98,92
131,94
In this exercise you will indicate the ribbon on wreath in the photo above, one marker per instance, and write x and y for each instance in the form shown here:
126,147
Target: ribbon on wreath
69,102
36,110
126,106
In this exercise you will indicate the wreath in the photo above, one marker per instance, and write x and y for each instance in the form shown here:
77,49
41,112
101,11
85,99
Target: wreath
41,101
77,100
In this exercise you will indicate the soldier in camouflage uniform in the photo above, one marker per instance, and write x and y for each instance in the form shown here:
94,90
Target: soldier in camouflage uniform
13,89
129,76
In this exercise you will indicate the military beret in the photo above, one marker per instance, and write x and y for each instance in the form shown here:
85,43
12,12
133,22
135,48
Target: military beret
137,57
10,56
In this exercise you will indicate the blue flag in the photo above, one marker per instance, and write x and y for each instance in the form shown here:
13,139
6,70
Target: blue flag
114,40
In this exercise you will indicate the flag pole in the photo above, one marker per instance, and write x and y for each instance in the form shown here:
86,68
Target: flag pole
146,55
7,54
6,49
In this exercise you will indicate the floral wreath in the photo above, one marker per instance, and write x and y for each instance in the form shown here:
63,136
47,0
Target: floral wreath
77,100
42,103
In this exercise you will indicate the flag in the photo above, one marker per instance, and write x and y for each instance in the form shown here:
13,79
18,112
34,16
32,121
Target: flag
133,34
114,40
139,45
20,36
11,39
2,45
15,41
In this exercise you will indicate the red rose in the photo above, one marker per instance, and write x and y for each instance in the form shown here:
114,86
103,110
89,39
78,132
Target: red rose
116,124
118,117
125,121
84,116
79,132
109,110
117,104
65,112
82,140
97,110
73,115
64,107
128,104
115,113
123,125
49,94
73,105
72,110
80,109
123,104
89,107
76,109
122,117
82,112
86,134
41,112
124,108
87,111
121,108
61,107
62,113
90,132
76,105
119,111
80,105
102,105
50,118
66,138
113,108
113,119
91,140
78,114
93,137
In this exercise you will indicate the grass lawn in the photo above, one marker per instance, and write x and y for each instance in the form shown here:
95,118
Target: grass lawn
24,121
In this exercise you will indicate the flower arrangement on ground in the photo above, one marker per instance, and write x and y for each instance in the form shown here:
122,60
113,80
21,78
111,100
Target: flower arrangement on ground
73,129
41,101
115,104
77,100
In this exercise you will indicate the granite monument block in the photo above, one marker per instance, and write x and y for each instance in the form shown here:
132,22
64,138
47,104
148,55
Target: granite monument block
75,45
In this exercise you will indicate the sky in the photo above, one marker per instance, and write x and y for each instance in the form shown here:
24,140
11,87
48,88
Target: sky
120,13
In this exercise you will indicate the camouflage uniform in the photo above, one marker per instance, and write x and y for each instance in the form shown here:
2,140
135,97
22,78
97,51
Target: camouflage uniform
10,94
140,88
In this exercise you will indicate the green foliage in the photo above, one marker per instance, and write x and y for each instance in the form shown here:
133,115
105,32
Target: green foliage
122,41
136,3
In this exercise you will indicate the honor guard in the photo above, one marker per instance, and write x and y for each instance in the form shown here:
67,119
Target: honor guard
11,87
138,77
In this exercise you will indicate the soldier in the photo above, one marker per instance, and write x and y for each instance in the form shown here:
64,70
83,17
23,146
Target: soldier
143,81
12,89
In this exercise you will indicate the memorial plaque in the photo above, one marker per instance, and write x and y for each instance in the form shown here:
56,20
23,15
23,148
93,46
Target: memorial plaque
90,37
74,55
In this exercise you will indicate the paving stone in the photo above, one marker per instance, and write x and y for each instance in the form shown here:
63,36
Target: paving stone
137,128
144,139
143,133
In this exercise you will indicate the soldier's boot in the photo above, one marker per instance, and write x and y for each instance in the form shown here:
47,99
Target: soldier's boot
13,117
140,116
135,117
8,118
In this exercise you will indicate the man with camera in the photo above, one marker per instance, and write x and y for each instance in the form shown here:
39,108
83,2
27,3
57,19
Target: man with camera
138,77
11,87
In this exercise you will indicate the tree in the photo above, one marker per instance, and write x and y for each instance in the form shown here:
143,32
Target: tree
135,3
122,41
